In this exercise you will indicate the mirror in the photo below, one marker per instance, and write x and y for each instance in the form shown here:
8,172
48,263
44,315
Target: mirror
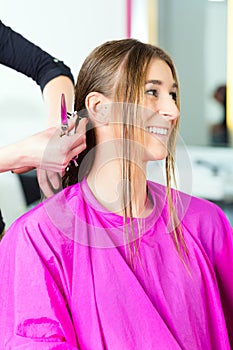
194,33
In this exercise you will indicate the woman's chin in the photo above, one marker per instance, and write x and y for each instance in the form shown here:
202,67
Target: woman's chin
158,154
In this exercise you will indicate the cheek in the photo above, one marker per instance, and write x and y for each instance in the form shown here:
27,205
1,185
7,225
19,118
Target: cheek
155,150
150,105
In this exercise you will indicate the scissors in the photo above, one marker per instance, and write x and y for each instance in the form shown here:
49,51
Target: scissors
64,118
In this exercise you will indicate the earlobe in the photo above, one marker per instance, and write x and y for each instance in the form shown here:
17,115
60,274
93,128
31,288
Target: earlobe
96,105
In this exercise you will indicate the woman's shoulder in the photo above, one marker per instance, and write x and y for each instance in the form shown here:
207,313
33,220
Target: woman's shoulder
190,208
160,190
201,220
52,217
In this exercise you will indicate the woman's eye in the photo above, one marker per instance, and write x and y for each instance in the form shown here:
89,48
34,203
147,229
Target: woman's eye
174,96
152,92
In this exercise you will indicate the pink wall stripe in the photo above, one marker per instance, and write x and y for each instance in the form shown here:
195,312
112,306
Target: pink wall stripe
128,17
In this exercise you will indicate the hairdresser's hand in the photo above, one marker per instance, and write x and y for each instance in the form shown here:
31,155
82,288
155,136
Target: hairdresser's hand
23,170
57,155
47,150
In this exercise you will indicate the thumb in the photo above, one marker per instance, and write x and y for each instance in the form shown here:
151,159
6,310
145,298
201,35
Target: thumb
81,126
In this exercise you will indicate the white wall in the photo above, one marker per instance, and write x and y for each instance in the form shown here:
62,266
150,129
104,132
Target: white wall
68,30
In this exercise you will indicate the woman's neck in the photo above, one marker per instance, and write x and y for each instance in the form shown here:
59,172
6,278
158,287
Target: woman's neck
106,183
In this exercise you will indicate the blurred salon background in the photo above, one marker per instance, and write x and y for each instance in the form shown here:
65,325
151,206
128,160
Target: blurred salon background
197,34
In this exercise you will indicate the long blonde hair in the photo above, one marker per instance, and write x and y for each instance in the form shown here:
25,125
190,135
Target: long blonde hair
117,69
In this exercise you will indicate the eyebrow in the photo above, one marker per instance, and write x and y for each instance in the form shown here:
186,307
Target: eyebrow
159,82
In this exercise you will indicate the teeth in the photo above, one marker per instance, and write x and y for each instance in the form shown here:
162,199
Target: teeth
154,130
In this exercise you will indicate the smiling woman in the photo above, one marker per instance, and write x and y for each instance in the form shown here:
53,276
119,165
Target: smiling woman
146,266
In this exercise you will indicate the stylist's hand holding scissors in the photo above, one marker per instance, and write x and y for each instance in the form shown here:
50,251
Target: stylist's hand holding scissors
63,145
45,150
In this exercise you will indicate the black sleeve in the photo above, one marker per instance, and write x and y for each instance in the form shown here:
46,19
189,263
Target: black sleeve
22,55
2,224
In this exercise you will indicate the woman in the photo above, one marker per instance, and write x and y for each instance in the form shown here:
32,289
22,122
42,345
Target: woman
114,261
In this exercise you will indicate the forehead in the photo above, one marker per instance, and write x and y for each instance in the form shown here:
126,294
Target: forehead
160,70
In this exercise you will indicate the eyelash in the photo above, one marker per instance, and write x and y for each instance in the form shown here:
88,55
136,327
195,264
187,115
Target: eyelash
174,96
155,93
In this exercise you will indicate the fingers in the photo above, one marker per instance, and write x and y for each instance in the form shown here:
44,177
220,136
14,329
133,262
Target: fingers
80,134
74,122
71,125
22,170
81,128
58,154
76,151
50,182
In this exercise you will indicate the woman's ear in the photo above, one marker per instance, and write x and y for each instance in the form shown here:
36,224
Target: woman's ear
96,104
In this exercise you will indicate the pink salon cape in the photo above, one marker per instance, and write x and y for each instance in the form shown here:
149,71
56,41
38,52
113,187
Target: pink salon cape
66,282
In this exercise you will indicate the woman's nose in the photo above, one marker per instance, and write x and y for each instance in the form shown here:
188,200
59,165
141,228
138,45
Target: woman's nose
168,109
